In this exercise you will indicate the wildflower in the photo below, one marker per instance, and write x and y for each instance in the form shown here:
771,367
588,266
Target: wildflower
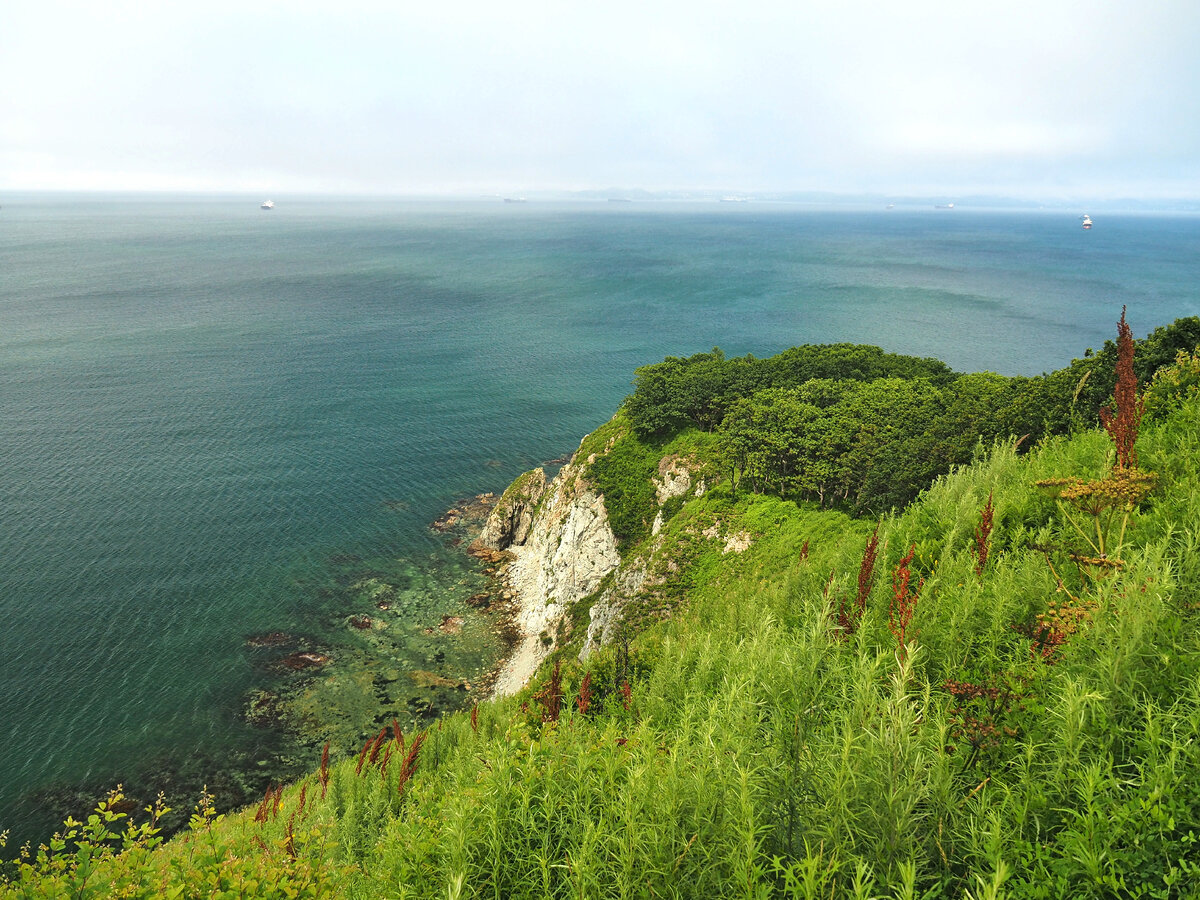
410,762
1122,419
983,533
324,773
584,700
904,603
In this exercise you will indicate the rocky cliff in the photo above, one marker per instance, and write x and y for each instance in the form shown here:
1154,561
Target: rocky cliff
511,517
561,546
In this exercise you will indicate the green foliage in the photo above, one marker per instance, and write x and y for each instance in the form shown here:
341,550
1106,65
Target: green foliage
698,391
1173,384
1162,346
678,393
622,473
852,425
869,444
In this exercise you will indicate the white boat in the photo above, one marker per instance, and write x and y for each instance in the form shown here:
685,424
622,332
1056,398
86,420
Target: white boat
268,204
514,199
1087,221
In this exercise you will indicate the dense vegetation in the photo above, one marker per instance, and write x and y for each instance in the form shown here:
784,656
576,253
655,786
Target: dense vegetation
853,426
993,692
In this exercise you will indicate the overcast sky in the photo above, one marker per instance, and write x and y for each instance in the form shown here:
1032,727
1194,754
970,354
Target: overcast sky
1063,99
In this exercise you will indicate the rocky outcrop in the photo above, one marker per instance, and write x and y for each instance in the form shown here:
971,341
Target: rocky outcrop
674,478
511,518
558,558
559,548
605,614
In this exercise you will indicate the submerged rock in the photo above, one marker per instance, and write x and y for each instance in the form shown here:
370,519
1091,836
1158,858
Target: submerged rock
305,660
466,514
426,679
482,600
265,709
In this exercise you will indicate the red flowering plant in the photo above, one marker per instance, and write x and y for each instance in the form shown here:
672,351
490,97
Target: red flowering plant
904,604
1099,510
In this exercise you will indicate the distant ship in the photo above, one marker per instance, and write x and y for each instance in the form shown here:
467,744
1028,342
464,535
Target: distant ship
891,206
268,204
733,199
1087,221
514,199
944,206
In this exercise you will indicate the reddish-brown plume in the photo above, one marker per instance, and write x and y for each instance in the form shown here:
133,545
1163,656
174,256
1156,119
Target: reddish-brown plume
904,603
475,717
848,619
289,844
983,533
397,734
375,747
362,755
410,762
584,700
551,696
1124,417
866,572
260,815
324,775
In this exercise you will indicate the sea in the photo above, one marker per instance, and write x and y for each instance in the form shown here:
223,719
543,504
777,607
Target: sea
225,432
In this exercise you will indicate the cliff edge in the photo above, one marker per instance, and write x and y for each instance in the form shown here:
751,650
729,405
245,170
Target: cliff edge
561,546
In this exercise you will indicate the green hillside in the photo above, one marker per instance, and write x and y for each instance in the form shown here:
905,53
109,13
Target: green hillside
819,688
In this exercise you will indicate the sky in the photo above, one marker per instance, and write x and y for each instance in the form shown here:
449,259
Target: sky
1051,99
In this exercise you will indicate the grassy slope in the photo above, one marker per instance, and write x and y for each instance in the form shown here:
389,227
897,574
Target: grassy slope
760,755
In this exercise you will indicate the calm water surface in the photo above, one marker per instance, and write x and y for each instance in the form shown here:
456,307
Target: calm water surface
217,422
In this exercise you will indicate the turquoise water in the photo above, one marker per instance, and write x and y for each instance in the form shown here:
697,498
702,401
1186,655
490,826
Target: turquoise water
215,420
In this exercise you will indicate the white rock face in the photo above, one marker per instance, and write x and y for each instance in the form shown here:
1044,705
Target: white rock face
606,613
566,550
737,543
674,479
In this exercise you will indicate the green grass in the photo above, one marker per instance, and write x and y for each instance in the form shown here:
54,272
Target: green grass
763,754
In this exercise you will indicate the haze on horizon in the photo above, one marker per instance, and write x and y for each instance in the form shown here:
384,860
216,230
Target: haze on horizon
1055,99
